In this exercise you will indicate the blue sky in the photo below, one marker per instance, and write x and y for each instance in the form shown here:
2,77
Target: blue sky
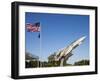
57,31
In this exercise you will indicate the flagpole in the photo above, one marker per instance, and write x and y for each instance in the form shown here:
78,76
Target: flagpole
40,43
33,28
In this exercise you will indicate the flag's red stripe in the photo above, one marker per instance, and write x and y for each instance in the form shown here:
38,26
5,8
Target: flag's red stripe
32,28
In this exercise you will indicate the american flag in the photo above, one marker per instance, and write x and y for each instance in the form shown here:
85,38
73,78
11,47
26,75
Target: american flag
33,27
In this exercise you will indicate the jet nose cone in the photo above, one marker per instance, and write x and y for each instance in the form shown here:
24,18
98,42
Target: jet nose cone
82,38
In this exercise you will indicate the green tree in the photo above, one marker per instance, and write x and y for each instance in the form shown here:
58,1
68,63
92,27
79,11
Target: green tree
82,62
